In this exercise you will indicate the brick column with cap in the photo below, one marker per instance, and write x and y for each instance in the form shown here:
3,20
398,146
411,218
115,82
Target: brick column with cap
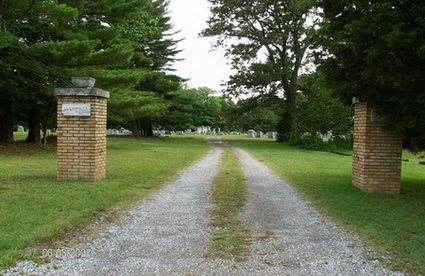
376,153
81,130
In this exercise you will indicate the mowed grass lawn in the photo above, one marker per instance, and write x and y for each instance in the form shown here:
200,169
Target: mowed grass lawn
395,224
34,207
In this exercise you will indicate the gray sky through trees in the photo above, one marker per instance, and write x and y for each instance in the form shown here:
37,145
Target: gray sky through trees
203,66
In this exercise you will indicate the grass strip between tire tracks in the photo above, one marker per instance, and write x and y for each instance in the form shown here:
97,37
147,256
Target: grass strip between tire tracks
230,237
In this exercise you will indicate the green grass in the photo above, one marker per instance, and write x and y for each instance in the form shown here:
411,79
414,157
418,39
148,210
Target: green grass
22,136
34,207
230,236
19,136
394,224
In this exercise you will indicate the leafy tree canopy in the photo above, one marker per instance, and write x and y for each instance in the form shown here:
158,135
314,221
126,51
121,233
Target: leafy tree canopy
191,108
266,41
320,113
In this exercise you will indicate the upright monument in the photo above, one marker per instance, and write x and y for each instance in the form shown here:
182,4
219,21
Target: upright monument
81,130
376,153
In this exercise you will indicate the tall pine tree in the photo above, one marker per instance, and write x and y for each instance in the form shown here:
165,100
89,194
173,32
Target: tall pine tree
122,43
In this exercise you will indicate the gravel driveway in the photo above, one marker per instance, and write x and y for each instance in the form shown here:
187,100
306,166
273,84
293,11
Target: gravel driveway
168,234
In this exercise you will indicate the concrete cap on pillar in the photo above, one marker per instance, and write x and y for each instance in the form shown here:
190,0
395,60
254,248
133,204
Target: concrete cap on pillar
84,88
83,82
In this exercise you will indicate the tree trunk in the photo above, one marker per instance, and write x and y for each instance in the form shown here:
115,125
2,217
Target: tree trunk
136,128
6,122
286,120
46,123
284,127
33,126
147,128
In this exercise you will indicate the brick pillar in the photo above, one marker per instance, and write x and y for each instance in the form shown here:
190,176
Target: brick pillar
81,129
376,154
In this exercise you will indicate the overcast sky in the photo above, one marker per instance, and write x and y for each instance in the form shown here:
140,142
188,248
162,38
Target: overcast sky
202,66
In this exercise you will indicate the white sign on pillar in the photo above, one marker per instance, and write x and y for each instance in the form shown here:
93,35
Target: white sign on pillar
76,109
